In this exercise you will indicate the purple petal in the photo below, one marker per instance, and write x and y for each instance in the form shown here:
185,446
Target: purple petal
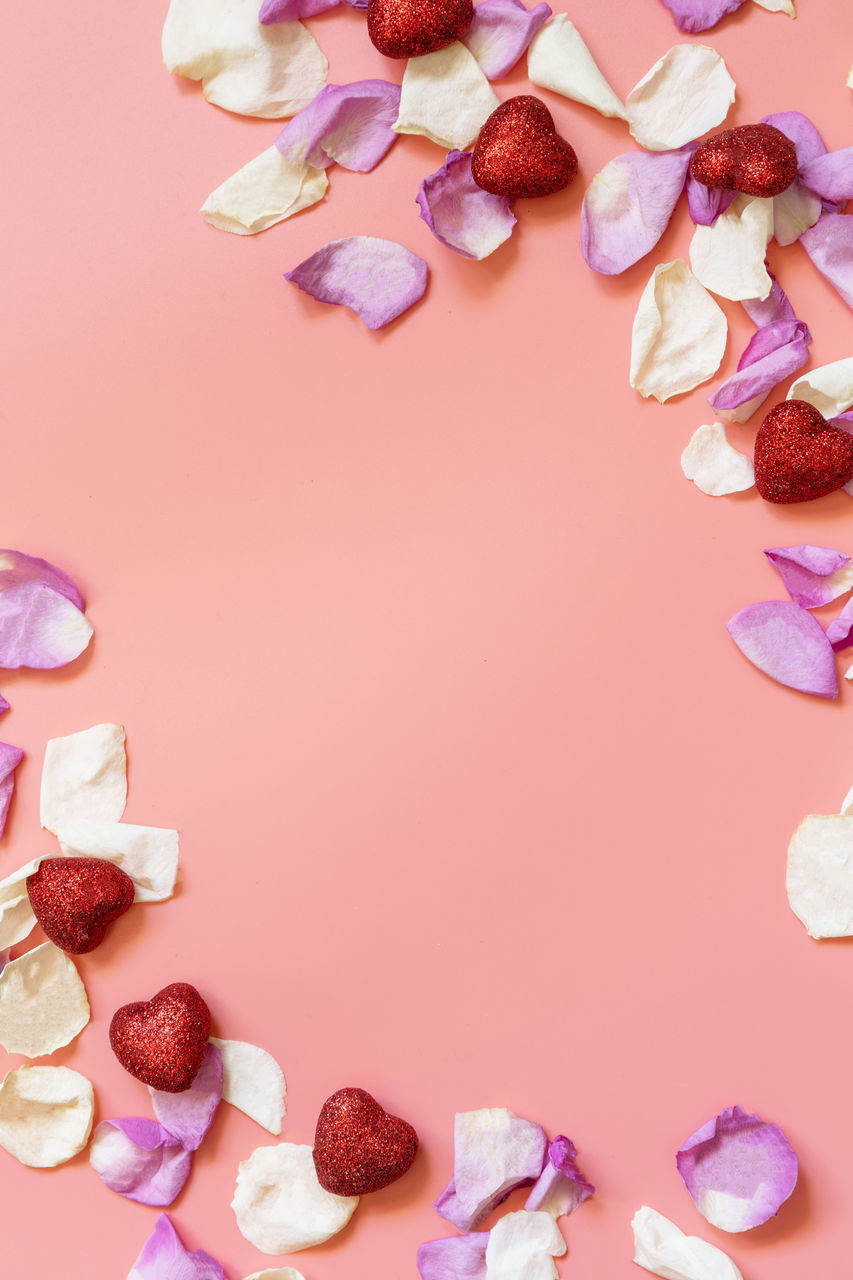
802,133
140,1160
839,633
4,706
700,15
500,33
830,176
738,1169
829,244
454,1258
787,643
462,215
292,10
379,279
774,352
39,627
187,1116
561,1187
163,1257
627,207
347,123
812,575
776,306
10,758
495,1152
16,568
706,203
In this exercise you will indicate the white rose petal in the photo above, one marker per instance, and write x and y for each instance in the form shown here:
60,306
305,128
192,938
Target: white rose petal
265,191
84,776
279,1204
522,1246
253,1082
794,211
559,60
445,97
277,1273
728,258
45,1114
829,388
713,465
149,855
686,93
679,334
778,6
820,874
43,1003
661,1248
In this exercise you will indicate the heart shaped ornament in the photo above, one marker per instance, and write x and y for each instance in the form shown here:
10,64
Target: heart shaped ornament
162,1041
799,455
519,153
756,159
358,1146
411,28
75,900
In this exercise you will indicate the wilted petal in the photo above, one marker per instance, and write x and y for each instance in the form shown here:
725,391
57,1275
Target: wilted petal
454,1258
819,878
350,124
445,97
788,644
714,465
829,244
163,1257
40,628
830,176
265,191
292,10
462,215
559,60
661,1248
829,388
524,1245
16,568
84,776
728,258
773,353
561,1187
187,1116
707,203
700,15
253,1082
378,279
495,1152
45,1115
812,575
139,1160
679,334
149,855
685,94
738,1169
43,1003
794,211
279,1204
10,758
500,33
627,207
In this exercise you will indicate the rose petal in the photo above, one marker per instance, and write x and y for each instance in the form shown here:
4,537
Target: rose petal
830,176
679,334
469,220
253,1082
277,1273
788,644
4,706
700,15
829,244
738,1169
292,10
265,191
829,387
350,124
16,568
707,203
794,211
561,1187
378,279
801,131
164,1257
819,879
445,97
140,1160
686,93
559,60
661,1248
279,1204
84,776
714,465
40,628
770,310
149,855
16,913
627,207
454,1258
773,353
500,33
10,758
812,575
45,1115
728,258
839,633
495,1152
524,1244
187,1116
778,6
43,1003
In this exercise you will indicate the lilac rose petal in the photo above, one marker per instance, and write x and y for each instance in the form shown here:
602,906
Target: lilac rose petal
4,706
40,627
500,33
16,568
839,633
787,643
812,575
561,1187
10,758
802,133
163,1257
774,352
187,1116
292,10
378,279
776,306
469,220
829,244
347,124
738,1169
700,15
830,176
140,1160
628,205
454,1258
495,1152
705,204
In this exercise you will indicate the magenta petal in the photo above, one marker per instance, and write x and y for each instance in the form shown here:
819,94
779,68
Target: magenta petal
292,10
700,15
140,1160
346,123
10,758
738,1169
627,207
829,244
787,643
187,1116
500,32
561,1187
163,1257
462,215
802,133
839,633
16,568
705,204
830,176
773,353
454,1258
812,574
40,628
379,279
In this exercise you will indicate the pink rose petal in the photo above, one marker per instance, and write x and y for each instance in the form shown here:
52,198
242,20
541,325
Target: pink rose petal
829,244
292,10
163,1257
495,1152
812,575
628,205
40,627
561,1187
139,1160
830,176
738,1169
346,123
16,568
187,1116
500,33
839,633
706,203
787,643
10,758
700,15
773,353
776,306
378,279
454,1258
462,215
4,706
802,133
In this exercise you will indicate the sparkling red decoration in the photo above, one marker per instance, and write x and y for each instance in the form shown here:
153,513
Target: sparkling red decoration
75,900
754,158
410,28
162,1041
799,455
519,152
359,1147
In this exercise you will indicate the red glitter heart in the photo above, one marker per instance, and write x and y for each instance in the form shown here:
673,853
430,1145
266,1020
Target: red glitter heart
799,455
162,1041
754,158
410,28
359,1147
519,152
75,900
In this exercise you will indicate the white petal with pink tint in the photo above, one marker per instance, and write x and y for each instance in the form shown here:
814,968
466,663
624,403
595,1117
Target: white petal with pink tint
45,1114
686,93
819,878
84,776
149,855
265,191
728,257
559,60
445,97
253,1082
829,388
43,1003
714,465
661,1248
794,211
679,334
522,1246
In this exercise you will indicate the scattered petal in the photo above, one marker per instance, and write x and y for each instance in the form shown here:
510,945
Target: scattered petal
524,1244
707,203
685,94
17,568
187,1116
149,855
293,10
700,15
819,878
378,279
829,244
462,215
661,1248
794,211
770,310
788,644
812,575
445,97
778,6
43,1003
163,1257
500,33
17,918
495,1152
265,191
829,388
40,628
4,705
279,1204
627,207
10,758
454,1257
714,465
830,176
253,1082
679,334
84,776
561,1187
45,1115
728,258
277,1273
839,633
773,353
350,124
801,131
139,1160
738,1169
559,60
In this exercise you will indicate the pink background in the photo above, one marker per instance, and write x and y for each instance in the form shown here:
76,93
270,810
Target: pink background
419,640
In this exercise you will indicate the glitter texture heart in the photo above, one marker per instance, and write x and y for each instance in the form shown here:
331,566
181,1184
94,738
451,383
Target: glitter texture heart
162,1041
799,455
358,1146
75,900
519,152
410,28
756,159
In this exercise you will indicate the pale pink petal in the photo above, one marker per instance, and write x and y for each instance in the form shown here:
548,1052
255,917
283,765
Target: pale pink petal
628,205
292,10
700,15
812,575
776,306
346,123
774,352
10,758
462,215
139,1160
187,1116
829,244
830,176
561,1187
16,568
788,644
839,633
378,279
40,628
706,203
500,33
495,1152
454,1258
163,1257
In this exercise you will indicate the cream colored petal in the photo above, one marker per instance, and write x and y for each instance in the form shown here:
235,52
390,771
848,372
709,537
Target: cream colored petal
679,334
713,465
848,799
778,6
17,919
277,1273
445,97
829,388
253,1082
820,874
84,776
728,258
794,211
524,1244
45,1114
279,1204
686,93
665,1251
559,60
265,191
43,1003
149,855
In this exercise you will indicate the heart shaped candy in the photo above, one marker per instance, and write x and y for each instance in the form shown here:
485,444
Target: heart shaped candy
75,900
799,455
359,1147
519,153
162,1041
410,28
754,158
